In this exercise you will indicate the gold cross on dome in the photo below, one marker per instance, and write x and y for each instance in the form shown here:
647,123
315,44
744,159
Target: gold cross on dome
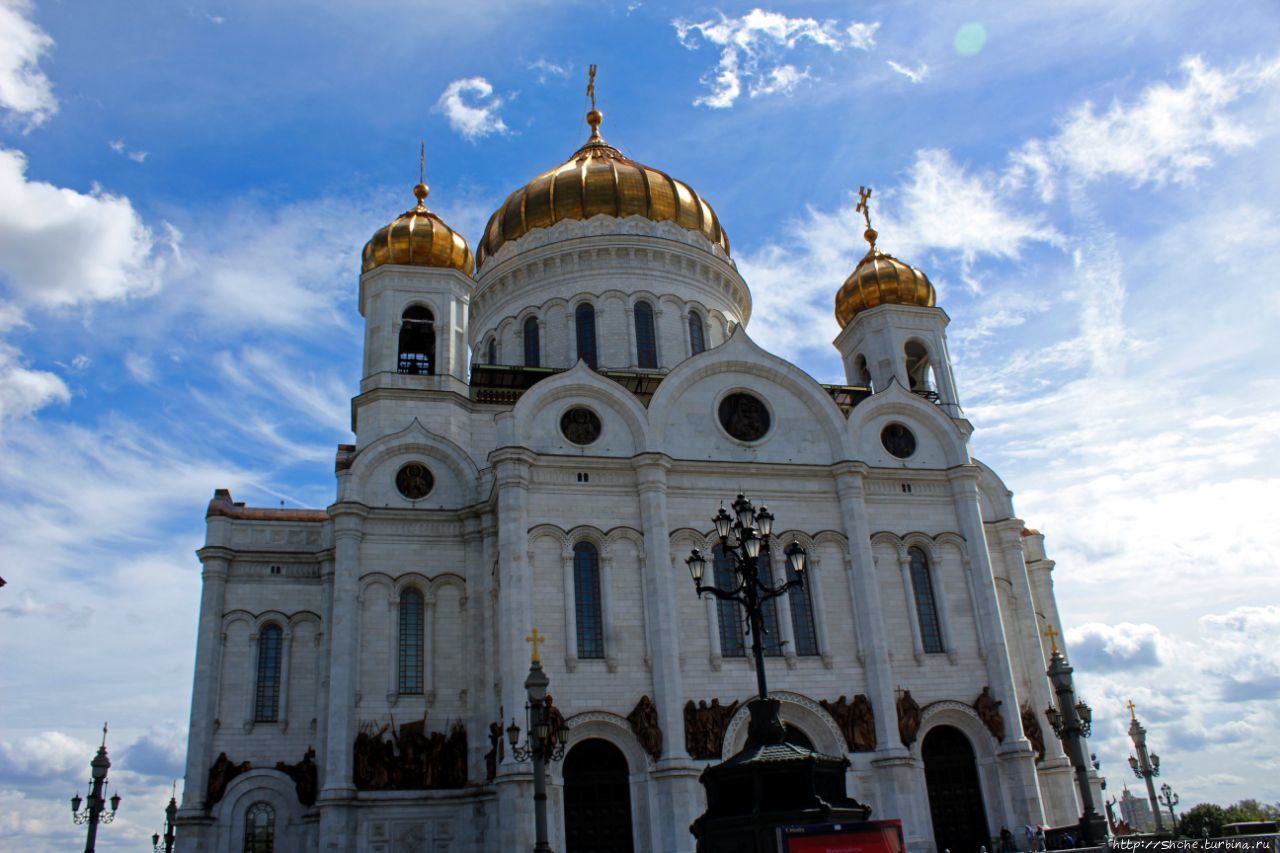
1132,713
1053,636
864,196
591,85
535,638
422,163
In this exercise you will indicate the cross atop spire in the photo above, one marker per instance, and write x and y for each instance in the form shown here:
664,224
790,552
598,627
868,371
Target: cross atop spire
104,734
1132,713
421,191
591,85
864,207
535,639
1053,636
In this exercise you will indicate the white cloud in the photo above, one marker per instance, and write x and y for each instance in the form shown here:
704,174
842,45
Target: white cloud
24,89
118,146
471,108
915,75
45,755
23,390
862,35
1100,647
751,50
59,247
546,70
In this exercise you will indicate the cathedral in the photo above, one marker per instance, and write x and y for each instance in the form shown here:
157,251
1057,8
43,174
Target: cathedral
544,431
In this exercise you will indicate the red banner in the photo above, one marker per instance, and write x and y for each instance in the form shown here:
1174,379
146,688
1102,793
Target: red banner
874,836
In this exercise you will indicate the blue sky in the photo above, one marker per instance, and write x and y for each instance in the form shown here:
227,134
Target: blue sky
185,188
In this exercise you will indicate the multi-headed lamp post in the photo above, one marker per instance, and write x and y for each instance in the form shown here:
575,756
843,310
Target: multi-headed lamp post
170,819
1072,722
1146,766
545,741
95,811
743,536
1170,799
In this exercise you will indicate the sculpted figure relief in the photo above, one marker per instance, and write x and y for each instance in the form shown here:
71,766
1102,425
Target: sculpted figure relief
704,727
496,753
557,718
908,718
644,722
1031,728
856,720
304,776
408,758
988,708
220,775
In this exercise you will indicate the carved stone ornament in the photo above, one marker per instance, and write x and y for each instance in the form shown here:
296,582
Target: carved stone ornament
409,758
988,708
1031,728
704,727
744,416
497,751
580,425
415,481
220,775
857,721
304,775
644,722
908,718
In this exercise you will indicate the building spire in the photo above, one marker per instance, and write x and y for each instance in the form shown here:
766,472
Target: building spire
864,207
594,117
421,191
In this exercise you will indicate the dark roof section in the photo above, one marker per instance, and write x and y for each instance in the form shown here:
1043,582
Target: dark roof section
222,505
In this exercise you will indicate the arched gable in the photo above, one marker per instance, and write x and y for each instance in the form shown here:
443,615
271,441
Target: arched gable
797,710
995,498
535,420
939,442
371,477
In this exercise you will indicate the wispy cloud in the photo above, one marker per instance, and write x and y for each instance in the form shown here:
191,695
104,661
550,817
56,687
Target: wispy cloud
24,390
25,91
471,108
915,75
547,70
753,47
136,155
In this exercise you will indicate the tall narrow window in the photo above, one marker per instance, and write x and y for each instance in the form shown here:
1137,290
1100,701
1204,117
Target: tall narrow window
926,607
411,642
260,829
728,614
266,706
491,356
417,341
646,340
697,335
585,319
802,624
772,639
918,372
587,605
532,346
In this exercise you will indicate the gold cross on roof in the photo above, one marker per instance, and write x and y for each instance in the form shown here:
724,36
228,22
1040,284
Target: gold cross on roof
535,638
864,195
1053,636
591,85
1133,714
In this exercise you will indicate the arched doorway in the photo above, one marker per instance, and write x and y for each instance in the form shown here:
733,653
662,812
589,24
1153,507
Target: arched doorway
597,799
955,795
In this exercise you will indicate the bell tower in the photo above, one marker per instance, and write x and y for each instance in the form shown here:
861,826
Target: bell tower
891,329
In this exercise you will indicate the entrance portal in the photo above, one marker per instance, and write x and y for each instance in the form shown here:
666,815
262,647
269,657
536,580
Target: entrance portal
955,795
597,799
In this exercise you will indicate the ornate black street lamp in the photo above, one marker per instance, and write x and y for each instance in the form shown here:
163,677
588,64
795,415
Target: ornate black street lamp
170,820
95,808
1170,799
545,741
1146,766
743,536
1072,722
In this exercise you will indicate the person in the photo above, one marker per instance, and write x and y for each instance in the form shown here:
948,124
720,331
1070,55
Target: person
1006,840
1039,845
1067,841
1030,835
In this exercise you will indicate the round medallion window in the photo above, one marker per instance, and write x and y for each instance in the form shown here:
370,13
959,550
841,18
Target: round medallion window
580,425
744,416
898,440
415,481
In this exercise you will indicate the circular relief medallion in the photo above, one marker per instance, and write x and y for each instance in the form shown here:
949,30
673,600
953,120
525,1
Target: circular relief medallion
580,425
744,416
898,440
415,481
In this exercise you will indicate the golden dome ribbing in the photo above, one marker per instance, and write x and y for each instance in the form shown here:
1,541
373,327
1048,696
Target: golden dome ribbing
880,279
598,179
418,238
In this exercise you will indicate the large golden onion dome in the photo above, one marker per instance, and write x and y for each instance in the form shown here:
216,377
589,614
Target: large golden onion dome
881,279
599,179
418,238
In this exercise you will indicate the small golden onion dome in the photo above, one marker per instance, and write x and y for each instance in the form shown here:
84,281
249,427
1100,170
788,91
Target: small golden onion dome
418,238
881,279
599,179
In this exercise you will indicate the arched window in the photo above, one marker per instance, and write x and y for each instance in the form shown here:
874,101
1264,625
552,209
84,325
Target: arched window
802,624
266,705
772,639
585,319
587,605
926,607
646,340
260,829
918,371
417,341
697,335
411,642
862,375
532,346
491,355
728,614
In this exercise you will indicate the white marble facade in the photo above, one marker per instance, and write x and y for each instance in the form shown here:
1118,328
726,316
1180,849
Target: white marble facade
490,550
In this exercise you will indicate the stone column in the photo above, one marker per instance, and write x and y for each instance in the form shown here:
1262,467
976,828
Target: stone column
208,674
1015,757
429,653
678,793
337,817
